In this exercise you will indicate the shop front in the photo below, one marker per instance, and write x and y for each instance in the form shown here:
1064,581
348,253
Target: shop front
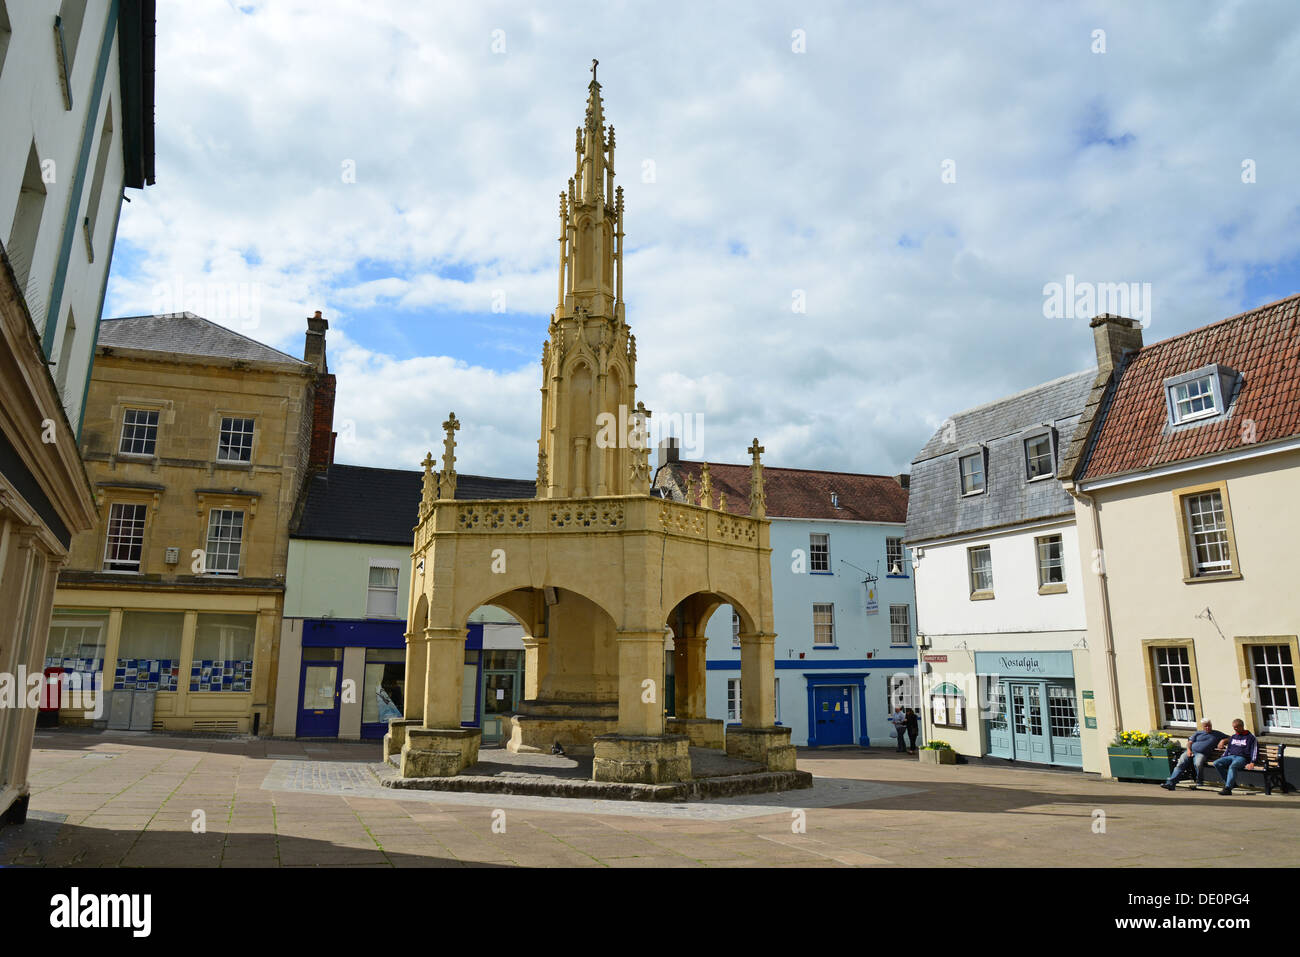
1033,711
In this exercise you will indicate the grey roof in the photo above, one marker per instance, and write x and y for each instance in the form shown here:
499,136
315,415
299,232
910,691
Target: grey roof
185,334
355,503
936,507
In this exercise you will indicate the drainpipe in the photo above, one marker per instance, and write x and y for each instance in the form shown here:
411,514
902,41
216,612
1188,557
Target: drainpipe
1108,633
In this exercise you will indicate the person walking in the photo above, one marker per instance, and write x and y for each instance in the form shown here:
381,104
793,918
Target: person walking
913,725
899,720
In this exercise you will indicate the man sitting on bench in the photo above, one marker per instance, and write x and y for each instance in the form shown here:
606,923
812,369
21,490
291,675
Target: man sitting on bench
1200,746
1242,751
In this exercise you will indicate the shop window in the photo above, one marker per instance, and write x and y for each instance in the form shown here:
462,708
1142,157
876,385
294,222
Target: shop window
223,653
385,681
469,689
1273,672
1062,716
149,651
76,642
947,707
381,591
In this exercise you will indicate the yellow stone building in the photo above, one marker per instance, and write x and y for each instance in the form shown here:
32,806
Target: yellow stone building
598,571
196,441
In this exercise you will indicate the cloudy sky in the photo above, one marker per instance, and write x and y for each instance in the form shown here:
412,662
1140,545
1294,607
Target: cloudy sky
841,221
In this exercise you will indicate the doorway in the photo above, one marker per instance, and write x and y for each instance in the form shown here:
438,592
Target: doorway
319,685
833,711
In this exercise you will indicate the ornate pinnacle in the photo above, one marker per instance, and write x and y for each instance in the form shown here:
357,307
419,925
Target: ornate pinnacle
542,479
447,486
706,487
618,200
690,490
430,488
611,137
757,495
722,501
631,347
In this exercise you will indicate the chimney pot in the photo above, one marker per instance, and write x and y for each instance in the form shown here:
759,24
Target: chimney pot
314,351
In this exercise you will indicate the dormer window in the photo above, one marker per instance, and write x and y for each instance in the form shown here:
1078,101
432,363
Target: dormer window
972,473
1201,395
1039,461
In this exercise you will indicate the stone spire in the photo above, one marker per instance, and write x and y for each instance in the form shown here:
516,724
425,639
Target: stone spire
430,488
757,495
589,361
447,484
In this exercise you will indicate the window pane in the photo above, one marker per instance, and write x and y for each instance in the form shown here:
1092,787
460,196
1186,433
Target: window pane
1275,684
1193,398
225,533
1050,569
1208,534
981,569
76,641
972,473
900,625
1038,456
894,556
125,541
819,552
1174,684
236,443
139,432
823,624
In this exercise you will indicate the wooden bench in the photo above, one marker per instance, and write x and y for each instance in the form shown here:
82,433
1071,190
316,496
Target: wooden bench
1269,767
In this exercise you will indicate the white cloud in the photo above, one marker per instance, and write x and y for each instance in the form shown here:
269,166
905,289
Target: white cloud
815,165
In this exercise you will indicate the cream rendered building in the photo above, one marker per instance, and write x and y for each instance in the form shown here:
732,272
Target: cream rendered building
596,570
197,441
1185,470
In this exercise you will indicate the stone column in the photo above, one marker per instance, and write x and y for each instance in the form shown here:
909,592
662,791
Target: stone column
641,705
536,660
444,673
759,739
757,680
689,660
413,690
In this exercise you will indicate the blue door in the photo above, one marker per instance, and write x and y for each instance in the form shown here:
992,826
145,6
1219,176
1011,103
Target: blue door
318,710
833,708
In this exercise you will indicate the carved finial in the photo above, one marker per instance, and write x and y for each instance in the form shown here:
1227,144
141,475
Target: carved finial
757,494
611,137
430,487
542,474
618,197
706,487
722,501
631,347
447,485
690,490
593,70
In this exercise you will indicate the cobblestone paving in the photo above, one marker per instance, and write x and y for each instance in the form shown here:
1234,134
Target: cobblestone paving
114,799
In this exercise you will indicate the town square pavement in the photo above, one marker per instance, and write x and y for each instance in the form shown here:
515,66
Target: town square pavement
148,800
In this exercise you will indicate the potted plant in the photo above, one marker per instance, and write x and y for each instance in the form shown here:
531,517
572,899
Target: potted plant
938,752
1142,755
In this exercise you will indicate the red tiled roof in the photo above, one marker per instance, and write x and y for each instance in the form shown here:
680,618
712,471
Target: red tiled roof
805,493
1261,345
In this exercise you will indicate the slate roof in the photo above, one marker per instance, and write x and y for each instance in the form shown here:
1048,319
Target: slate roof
797,493
1262,346
936,506
355,503
185,334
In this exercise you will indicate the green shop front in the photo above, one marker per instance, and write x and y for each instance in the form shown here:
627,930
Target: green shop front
1034,707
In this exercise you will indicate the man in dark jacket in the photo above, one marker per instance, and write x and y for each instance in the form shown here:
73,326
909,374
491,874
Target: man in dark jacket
1201,746
1242,751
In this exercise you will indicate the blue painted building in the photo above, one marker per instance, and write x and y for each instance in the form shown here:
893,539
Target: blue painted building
842,596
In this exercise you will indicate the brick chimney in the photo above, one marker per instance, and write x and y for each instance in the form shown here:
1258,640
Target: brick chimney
670,451
904,479
321,455
1114,337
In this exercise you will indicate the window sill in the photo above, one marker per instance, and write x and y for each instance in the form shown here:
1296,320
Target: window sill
232,464
898,576
1223,577
821,573
1055,588
969,494
825,647
138,456
981,596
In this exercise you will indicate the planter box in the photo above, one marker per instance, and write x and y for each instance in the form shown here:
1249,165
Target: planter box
1133,764
931,756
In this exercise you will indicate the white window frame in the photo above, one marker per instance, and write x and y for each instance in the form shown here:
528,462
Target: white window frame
824,608
906,624
978,454
371,588
1160,668
239,543
143,520
818,549
221,437
734,709
1030,459
1286,690
1218,383
155,426
1039,542
1216,534
970,569
735,629
902,558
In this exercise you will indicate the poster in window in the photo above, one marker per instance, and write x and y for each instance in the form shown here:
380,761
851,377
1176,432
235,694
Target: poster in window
939,707
956,712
